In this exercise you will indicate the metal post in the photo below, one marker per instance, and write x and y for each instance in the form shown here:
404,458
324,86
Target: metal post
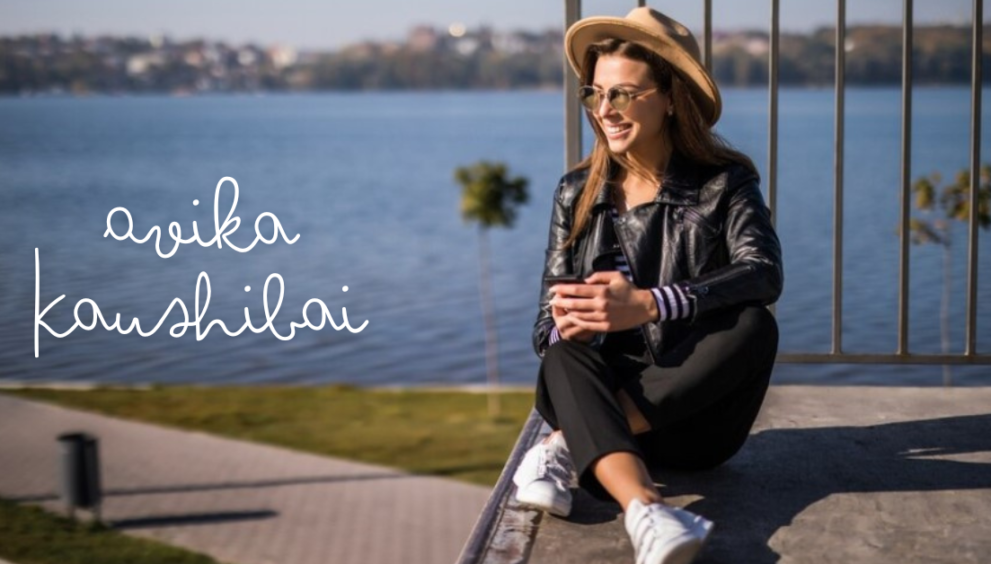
707,18
772,123
572,112
838,172
977,59
906,180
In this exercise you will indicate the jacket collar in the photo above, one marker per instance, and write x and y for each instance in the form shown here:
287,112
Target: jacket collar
680,186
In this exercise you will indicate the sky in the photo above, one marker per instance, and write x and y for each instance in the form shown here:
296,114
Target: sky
330,24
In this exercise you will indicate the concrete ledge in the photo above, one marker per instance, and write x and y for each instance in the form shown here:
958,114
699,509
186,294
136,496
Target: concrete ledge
504,532
830,474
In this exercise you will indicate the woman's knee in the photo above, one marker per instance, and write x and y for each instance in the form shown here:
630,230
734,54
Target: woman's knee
562,355
691,462
758,319
695,456
570,364
759,327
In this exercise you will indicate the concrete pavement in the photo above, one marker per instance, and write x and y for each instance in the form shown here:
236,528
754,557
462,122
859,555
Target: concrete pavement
841,475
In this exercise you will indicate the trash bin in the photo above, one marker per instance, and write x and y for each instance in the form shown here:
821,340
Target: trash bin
80,473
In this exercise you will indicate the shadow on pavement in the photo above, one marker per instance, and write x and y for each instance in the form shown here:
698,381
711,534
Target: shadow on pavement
191,519
781,472
112,492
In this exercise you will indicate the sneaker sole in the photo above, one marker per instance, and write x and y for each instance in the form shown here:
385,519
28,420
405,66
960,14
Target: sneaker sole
703,530
561,509
687,553
698,525
684,554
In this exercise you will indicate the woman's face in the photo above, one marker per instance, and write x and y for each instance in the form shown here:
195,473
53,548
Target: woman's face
637,129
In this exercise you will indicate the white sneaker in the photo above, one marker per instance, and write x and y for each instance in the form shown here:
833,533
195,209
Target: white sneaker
544,477
662,534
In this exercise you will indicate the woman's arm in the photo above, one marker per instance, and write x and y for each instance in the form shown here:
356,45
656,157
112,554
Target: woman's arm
672,302
754,272
557,262
609,302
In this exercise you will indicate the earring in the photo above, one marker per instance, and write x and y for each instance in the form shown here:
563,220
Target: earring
670,110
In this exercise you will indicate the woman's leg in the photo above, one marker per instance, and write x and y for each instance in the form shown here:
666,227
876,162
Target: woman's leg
625,476
576,393
699,405
614,470
702,398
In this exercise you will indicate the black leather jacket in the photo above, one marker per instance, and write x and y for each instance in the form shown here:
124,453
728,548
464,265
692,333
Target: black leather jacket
707,228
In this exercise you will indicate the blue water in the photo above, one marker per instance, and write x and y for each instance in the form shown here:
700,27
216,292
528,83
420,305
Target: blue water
366,181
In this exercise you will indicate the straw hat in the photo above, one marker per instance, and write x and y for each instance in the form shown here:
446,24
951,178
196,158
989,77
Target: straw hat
659,33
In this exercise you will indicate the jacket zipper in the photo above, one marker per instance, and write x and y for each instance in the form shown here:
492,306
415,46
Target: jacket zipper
633,275
578,266
703,289
700,220
626,255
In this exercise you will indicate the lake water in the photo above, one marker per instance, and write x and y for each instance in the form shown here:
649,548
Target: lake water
366,181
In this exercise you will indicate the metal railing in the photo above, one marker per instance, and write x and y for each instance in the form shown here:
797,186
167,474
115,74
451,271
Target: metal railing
573,150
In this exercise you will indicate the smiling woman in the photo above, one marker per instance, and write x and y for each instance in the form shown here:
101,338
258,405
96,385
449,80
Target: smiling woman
664,353
633,117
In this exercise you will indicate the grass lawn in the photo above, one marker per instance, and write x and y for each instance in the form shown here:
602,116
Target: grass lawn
445,433
30,535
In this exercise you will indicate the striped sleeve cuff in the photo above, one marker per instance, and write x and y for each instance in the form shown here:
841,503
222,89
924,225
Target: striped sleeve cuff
595,343
672,303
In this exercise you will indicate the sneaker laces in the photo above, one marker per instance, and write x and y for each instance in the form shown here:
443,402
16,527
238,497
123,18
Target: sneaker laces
547,460
662,527
556,467
560,448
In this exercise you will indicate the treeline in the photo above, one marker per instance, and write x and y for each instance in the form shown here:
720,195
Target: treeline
403,69
941,54
431,59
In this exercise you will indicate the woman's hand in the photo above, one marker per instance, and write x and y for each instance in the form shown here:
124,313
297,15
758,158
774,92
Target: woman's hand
606,302
566,325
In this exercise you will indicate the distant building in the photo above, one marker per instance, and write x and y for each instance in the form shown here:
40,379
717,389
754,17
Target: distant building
246,57
422,38
282,57
193,58
141,64
466,45
757,46
510,43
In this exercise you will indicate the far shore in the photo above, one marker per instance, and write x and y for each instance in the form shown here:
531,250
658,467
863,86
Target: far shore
544,89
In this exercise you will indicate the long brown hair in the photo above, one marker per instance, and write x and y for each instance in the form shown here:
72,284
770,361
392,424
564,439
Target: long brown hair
689,133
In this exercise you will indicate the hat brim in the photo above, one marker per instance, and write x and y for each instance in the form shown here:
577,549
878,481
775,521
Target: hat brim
589,30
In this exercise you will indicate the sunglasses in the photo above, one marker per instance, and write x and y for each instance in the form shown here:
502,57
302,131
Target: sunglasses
619,98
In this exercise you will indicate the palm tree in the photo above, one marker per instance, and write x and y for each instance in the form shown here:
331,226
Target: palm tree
489,198
954,200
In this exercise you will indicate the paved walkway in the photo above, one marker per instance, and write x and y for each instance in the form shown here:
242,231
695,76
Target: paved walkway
241,502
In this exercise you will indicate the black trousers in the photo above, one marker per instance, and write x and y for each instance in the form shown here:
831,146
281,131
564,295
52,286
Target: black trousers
701,398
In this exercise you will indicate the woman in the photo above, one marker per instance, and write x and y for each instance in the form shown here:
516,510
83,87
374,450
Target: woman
662,353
